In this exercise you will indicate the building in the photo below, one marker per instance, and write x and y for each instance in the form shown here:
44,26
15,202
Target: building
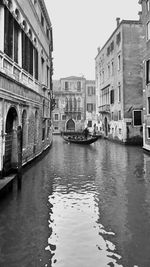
69,113
90,94
145,15
26,69
119,77
75,107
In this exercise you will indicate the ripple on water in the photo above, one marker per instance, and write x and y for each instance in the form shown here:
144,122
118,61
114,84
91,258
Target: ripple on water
77,239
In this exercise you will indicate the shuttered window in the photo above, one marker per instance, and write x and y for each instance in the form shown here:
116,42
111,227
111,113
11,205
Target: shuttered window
36,63
8,34
16,33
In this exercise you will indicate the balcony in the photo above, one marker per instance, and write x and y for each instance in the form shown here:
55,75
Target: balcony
73,110
104,109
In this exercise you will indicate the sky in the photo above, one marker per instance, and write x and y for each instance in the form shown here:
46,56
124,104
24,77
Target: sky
80,27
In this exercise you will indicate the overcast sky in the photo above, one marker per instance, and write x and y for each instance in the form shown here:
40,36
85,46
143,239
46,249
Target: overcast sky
80,27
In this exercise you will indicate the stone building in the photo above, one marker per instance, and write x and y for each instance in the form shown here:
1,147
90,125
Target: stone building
145,15
25,81
90,94
69,113
119,77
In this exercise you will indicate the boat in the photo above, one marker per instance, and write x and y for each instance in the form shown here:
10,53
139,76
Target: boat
81,140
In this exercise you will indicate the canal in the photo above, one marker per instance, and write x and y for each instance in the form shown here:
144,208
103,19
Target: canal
79,206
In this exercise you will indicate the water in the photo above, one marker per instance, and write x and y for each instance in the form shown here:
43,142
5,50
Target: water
79,206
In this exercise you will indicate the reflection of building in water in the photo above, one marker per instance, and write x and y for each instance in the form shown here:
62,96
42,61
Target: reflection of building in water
123,181
25,81
119,83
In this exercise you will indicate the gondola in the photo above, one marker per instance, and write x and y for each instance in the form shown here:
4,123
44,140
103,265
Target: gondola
80,140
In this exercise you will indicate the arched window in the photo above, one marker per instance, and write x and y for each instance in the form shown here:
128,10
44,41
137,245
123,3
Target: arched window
30,34
17,13
79,104
70,104
75,104
24,24
66,104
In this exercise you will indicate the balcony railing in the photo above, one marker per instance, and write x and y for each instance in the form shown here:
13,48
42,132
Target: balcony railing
104,109
13,70
73,110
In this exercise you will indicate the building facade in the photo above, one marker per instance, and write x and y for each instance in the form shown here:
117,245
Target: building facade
119,77
25,81
69,113
75,99
90,94
145,15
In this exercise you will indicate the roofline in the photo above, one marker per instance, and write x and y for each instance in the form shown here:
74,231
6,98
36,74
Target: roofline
122,22
44,9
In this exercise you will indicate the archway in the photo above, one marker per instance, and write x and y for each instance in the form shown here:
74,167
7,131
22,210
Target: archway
106,126
70,126
11,141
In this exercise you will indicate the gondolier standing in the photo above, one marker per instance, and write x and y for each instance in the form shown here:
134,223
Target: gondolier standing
86,132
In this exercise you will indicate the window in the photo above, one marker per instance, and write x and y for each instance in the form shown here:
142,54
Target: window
27,54
79,117
56,127
11,33
66,86
63,117
112,97
112,68
147,5
108,71
147,71
48,76
112,116
119,115
35,63
89,123
56,117
137,117
47,32
91,90
118,38
79,86
120,131
148,30
119,62
42,20
148,108
56,103
89,107
108,50
112,46
148,132
119,92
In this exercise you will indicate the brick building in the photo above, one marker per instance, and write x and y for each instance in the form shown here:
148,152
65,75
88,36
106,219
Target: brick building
145,15
119,77
25,81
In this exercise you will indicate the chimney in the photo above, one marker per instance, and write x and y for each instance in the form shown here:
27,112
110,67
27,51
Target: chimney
98,49
118,21
140,15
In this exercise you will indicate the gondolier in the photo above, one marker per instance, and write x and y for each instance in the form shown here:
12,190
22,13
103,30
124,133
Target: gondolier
86,132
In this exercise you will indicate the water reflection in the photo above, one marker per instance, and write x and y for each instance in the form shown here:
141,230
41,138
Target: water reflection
79,206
